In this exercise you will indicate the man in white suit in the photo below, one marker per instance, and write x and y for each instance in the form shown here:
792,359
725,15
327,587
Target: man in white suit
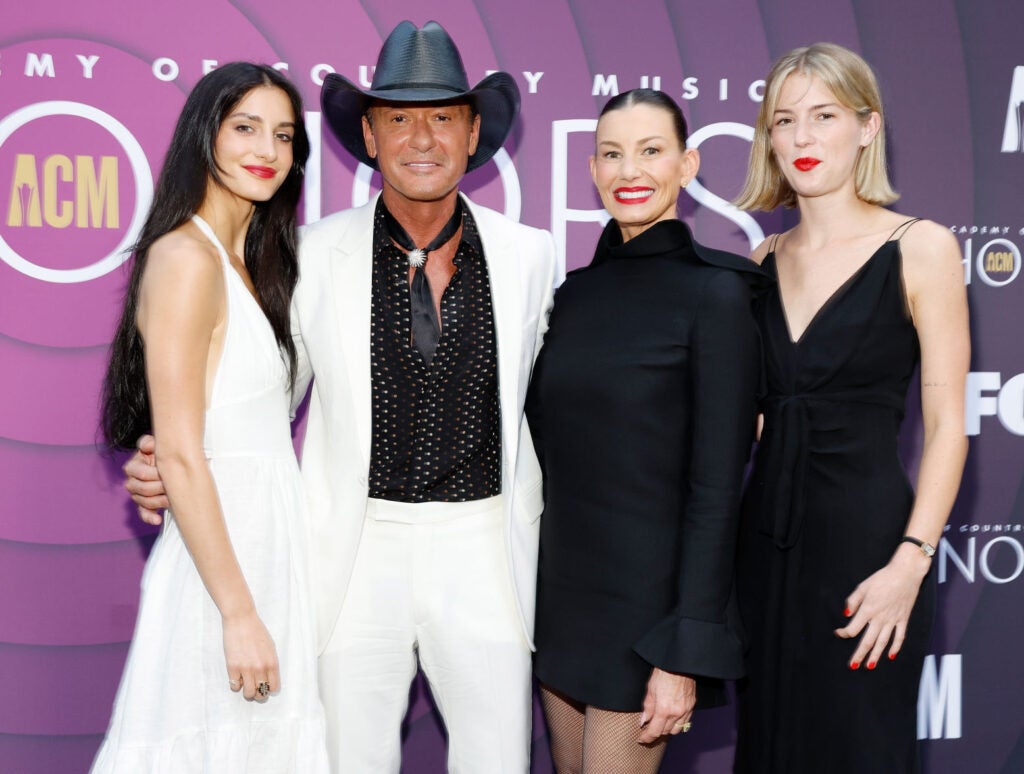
420,315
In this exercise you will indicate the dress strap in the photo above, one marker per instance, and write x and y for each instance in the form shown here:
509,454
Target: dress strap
905,226
207,230
773,243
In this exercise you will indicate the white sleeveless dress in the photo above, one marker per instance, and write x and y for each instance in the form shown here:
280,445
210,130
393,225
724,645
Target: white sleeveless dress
174,711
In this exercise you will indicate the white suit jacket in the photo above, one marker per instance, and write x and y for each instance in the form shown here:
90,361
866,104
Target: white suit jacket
331,325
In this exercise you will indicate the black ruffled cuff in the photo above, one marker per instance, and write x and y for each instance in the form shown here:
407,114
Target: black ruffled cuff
693,647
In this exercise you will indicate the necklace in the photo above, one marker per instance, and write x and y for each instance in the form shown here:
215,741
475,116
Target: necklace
426,328
417,256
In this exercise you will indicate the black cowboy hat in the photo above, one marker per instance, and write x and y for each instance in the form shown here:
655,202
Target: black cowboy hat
420,65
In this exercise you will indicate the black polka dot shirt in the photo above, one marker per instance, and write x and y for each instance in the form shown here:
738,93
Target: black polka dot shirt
436,433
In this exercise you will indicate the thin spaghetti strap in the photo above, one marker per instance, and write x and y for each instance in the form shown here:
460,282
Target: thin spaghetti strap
774,242
905,225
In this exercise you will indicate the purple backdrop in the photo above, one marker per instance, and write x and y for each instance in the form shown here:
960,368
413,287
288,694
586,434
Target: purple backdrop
88,95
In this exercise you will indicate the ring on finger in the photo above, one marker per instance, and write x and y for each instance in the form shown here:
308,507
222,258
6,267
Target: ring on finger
684,726
263,689
235,684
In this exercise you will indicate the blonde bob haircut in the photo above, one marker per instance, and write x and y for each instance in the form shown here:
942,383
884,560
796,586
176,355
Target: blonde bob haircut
854,85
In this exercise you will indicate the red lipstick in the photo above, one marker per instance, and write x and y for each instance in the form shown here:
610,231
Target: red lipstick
806,163
265,172
633,195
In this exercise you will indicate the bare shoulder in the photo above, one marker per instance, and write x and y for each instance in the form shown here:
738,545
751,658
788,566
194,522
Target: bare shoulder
182,279
927,240
930,252
932,264
183,255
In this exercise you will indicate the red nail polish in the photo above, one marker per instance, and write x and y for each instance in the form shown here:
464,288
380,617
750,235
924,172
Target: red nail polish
854,665
892,656
871,665
846,612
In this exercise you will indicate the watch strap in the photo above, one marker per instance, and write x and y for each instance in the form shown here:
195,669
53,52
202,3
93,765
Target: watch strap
926,548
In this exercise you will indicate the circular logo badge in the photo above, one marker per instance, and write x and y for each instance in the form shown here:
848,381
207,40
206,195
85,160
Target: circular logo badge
63,203
83,125
998,262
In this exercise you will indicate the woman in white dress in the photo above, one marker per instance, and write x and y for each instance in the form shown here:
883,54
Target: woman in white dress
221,673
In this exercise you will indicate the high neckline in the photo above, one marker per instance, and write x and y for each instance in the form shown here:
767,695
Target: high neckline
665,236
673,238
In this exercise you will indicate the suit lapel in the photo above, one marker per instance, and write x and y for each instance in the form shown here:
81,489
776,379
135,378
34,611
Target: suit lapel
506,298
351,277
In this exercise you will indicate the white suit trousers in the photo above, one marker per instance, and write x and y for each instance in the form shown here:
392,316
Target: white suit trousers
430,580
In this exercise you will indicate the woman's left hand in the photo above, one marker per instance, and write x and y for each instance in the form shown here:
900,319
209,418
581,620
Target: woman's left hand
668,705
880,607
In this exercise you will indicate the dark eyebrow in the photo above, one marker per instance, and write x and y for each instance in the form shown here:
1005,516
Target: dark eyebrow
259,120
638,142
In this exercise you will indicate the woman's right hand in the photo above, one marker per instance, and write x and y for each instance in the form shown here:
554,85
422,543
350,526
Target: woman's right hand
250,655
668,705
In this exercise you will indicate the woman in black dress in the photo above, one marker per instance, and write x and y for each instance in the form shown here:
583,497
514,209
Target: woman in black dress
834,570
643,406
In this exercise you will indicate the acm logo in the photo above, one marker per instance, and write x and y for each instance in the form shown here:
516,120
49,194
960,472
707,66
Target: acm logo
95,203
997,262
51,192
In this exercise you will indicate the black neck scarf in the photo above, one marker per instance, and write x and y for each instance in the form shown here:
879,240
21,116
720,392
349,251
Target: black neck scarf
426,328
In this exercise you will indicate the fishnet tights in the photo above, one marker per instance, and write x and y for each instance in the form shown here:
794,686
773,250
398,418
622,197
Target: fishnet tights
588,740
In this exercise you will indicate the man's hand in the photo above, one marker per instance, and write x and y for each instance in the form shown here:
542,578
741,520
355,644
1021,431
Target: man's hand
143,482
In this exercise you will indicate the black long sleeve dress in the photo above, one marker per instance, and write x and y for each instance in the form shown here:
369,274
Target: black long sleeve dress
642,407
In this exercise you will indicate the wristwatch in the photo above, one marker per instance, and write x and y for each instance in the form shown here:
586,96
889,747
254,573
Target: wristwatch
926,548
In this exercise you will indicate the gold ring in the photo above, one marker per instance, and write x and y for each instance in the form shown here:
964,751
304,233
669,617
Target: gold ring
687,726
263,689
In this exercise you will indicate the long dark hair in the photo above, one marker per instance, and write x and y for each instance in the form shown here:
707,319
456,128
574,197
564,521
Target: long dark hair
653,98
270,242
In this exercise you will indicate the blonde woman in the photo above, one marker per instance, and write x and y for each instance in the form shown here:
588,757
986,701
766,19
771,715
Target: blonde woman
834,571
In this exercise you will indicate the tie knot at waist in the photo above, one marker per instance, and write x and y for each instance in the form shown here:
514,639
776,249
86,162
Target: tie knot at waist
875,398
786,446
